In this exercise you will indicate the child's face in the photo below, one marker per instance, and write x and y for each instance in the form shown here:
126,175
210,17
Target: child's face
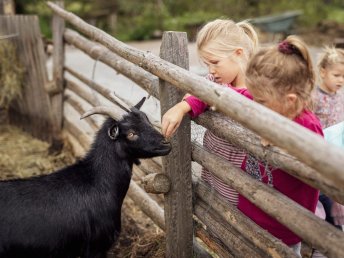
270,103
225,70
332,78
284,105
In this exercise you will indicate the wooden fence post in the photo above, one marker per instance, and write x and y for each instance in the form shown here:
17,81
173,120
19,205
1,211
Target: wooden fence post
177,165
32,111
56,94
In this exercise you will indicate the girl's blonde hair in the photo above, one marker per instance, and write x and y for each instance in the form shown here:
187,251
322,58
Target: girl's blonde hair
222,37
330,56
279,70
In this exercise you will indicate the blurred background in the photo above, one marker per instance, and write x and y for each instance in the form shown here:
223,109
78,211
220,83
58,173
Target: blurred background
318,21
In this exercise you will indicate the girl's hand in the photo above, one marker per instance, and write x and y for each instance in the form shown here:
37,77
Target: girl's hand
173,117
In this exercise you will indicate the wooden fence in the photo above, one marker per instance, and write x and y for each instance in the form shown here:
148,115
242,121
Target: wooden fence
300,152
191,208
24,33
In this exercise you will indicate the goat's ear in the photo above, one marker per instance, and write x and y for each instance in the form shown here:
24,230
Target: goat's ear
113,132
139,105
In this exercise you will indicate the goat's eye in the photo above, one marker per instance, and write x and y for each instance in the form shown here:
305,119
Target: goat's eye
132,136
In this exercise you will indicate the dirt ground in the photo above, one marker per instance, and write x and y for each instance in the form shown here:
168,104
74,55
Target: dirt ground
23,156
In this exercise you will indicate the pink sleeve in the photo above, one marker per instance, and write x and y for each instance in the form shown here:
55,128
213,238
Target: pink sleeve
197,106
244,92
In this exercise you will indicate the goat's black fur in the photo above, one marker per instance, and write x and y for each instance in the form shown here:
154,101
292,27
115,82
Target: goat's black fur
76,211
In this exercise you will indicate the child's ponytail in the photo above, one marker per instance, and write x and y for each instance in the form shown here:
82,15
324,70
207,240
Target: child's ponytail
294,45
281,70
251,33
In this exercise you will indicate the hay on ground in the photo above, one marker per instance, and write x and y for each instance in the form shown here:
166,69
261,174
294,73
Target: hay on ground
21,155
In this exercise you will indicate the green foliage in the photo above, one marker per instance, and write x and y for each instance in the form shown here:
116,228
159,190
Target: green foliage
189,22
146,24
140,20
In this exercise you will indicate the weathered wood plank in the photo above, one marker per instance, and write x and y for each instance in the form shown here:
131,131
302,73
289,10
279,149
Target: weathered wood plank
56,98
232,239
232,131
75,103
302,222
105,92
212,242
261,239
177,165
32,112
138,75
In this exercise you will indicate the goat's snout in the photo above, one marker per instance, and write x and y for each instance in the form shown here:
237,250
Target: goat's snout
164,148
166,142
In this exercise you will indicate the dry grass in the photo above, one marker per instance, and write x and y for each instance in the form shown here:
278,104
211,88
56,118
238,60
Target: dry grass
11,74
21,155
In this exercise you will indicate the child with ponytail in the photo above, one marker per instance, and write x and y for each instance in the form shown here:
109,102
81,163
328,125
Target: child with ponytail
281,78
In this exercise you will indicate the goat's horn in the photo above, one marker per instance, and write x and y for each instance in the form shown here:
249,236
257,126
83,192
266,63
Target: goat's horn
104,110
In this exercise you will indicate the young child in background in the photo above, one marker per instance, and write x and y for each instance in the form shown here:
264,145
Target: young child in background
329,95
328,100
282,79
225,47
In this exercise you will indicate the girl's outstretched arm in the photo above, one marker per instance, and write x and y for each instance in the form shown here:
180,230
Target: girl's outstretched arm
173,117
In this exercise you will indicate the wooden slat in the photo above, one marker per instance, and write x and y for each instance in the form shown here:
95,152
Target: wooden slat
261,239
177,165
145,79
32,112
56,99
75,103
235,133
232,239
105,92
213,243
302,222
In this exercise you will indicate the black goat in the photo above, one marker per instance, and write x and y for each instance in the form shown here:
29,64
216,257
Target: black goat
76,211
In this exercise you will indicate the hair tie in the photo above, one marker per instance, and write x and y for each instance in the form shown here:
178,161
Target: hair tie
286,48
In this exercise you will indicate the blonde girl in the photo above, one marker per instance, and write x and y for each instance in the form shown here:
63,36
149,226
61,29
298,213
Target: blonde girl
281,78
225,47
329,95
328,99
